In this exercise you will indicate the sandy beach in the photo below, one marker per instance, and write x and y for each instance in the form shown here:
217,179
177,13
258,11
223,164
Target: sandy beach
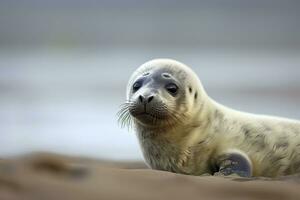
50,176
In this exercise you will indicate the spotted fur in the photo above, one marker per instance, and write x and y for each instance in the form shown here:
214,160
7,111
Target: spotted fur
264,145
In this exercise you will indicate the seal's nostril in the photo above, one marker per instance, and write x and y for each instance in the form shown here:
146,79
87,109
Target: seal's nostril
141,98
150,99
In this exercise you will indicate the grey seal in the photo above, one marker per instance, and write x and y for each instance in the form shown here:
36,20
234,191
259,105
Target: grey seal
182,130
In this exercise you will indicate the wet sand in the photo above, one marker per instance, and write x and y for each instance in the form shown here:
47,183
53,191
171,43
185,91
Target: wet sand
50,176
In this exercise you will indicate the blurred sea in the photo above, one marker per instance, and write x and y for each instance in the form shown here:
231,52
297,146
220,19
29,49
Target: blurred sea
66,101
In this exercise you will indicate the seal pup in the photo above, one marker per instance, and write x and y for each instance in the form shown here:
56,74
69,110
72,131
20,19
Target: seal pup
181,129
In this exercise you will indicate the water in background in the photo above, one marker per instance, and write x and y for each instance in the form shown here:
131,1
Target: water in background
64,67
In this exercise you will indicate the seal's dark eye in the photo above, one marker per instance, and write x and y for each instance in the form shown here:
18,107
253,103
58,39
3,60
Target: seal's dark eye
137,85
172,88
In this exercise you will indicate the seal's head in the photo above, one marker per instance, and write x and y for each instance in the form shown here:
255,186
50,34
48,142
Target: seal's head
161,93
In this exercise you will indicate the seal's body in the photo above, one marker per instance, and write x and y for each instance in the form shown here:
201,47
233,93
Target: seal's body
181,129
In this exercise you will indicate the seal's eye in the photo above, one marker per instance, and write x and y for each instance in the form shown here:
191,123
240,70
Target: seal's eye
137,85
172,88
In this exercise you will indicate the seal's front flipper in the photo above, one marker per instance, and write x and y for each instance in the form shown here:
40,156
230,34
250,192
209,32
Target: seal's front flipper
233,163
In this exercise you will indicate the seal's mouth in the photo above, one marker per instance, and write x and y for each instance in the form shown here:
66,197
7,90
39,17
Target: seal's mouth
149,119
144,113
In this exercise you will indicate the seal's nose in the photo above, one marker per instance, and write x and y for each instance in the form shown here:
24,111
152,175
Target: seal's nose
147,99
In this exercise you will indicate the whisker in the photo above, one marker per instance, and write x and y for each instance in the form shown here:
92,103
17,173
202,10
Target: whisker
124,117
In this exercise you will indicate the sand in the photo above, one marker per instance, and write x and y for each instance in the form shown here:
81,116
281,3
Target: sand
49,176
